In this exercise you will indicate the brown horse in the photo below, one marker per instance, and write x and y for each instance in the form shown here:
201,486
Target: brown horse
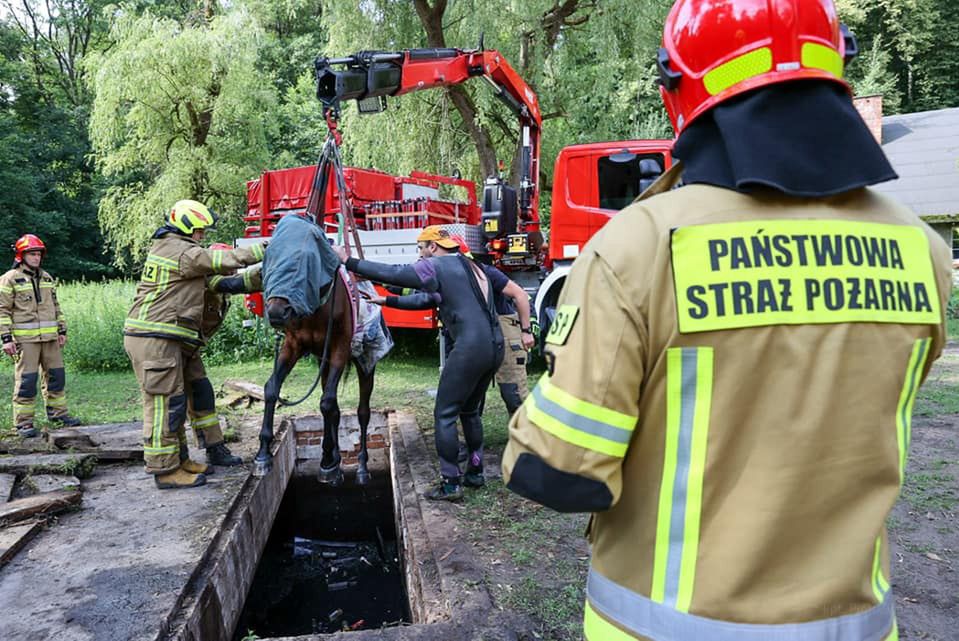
328,334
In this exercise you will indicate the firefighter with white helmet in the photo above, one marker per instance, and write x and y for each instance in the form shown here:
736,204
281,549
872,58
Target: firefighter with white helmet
733,363
34,331
163,332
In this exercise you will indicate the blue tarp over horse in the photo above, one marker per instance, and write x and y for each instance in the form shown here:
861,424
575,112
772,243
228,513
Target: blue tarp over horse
299,264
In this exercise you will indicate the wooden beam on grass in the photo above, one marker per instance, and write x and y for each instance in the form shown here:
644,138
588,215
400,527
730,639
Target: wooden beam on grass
248,389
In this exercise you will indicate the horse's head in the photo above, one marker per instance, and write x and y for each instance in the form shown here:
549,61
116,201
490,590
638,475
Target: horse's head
279,312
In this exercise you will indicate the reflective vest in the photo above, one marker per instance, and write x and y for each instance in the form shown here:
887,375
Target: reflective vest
29,310
730,390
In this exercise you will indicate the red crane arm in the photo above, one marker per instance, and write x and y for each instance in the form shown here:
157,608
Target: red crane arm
372,74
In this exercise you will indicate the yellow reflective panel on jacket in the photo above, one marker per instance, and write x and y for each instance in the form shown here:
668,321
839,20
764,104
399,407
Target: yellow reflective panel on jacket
769,442
778,272
29,309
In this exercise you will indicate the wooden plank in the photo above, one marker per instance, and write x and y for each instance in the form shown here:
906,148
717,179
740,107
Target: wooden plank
66,439
46,503
13,538
79,465
249,389
7,481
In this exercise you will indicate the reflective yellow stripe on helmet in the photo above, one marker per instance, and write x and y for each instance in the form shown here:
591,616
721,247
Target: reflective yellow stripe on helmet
732,72
817,56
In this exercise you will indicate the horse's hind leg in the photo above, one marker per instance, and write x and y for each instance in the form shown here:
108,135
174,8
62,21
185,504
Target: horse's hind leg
284,363
330,471
363,414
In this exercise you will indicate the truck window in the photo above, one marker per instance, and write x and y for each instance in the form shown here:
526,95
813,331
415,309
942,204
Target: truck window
625,175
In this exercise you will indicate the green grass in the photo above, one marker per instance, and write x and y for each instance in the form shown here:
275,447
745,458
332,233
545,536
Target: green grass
931,491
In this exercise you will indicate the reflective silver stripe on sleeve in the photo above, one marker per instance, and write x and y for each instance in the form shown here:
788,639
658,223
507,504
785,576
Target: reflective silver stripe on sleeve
578,421
647,618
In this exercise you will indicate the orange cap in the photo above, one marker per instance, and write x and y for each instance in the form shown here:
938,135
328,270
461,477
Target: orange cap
438,235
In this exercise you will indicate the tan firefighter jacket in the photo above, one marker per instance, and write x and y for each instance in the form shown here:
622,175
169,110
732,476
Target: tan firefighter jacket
169,299
216,298
29,310
730,391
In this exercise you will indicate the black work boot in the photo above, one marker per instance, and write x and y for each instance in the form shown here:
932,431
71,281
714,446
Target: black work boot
474,476
448,489
474,471
220,454
65,420
27,431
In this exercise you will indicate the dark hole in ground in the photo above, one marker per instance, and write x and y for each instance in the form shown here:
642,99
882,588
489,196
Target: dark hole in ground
331,563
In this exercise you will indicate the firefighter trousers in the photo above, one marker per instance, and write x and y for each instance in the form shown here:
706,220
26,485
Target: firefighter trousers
511,375
32,358
159,365
201,402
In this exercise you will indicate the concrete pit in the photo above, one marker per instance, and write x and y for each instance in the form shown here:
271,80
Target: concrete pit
138,563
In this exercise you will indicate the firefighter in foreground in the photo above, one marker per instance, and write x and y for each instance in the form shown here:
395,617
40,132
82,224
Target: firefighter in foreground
33,331
733,364
201,401
163,332
462,292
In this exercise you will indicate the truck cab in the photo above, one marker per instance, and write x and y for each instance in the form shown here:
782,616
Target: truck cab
591,184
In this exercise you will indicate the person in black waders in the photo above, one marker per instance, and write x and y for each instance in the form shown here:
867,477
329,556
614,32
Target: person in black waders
462,293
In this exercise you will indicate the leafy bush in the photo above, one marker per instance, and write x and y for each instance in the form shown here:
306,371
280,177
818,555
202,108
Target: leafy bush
234,343
95,313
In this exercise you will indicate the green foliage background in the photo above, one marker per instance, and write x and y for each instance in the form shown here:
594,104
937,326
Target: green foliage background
95,331
109,112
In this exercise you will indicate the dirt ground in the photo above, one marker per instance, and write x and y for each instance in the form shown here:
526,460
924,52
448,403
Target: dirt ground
537,560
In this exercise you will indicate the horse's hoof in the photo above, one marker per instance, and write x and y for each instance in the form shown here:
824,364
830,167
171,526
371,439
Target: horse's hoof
332,476
262,468
362,477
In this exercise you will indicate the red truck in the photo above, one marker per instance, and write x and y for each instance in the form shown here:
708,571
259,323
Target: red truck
591,182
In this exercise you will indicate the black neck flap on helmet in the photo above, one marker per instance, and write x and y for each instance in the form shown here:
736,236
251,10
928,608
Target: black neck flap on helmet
803,138
167,229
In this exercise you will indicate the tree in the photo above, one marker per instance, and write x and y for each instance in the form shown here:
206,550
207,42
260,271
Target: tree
181,111
48,186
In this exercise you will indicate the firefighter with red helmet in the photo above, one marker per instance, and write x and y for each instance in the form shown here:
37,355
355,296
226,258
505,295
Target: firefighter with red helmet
163,333
733,364
33,331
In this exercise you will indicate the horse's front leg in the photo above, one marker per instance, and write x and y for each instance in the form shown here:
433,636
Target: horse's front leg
284,363
363,414
330,471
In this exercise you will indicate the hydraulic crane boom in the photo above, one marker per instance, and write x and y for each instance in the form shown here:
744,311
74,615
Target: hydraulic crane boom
369,76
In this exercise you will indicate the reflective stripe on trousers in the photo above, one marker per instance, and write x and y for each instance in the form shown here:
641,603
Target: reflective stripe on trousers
643,617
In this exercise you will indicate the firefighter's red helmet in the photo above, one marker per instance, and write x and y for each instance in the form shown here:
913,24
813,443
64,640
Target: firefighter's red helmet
27,243
714,50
